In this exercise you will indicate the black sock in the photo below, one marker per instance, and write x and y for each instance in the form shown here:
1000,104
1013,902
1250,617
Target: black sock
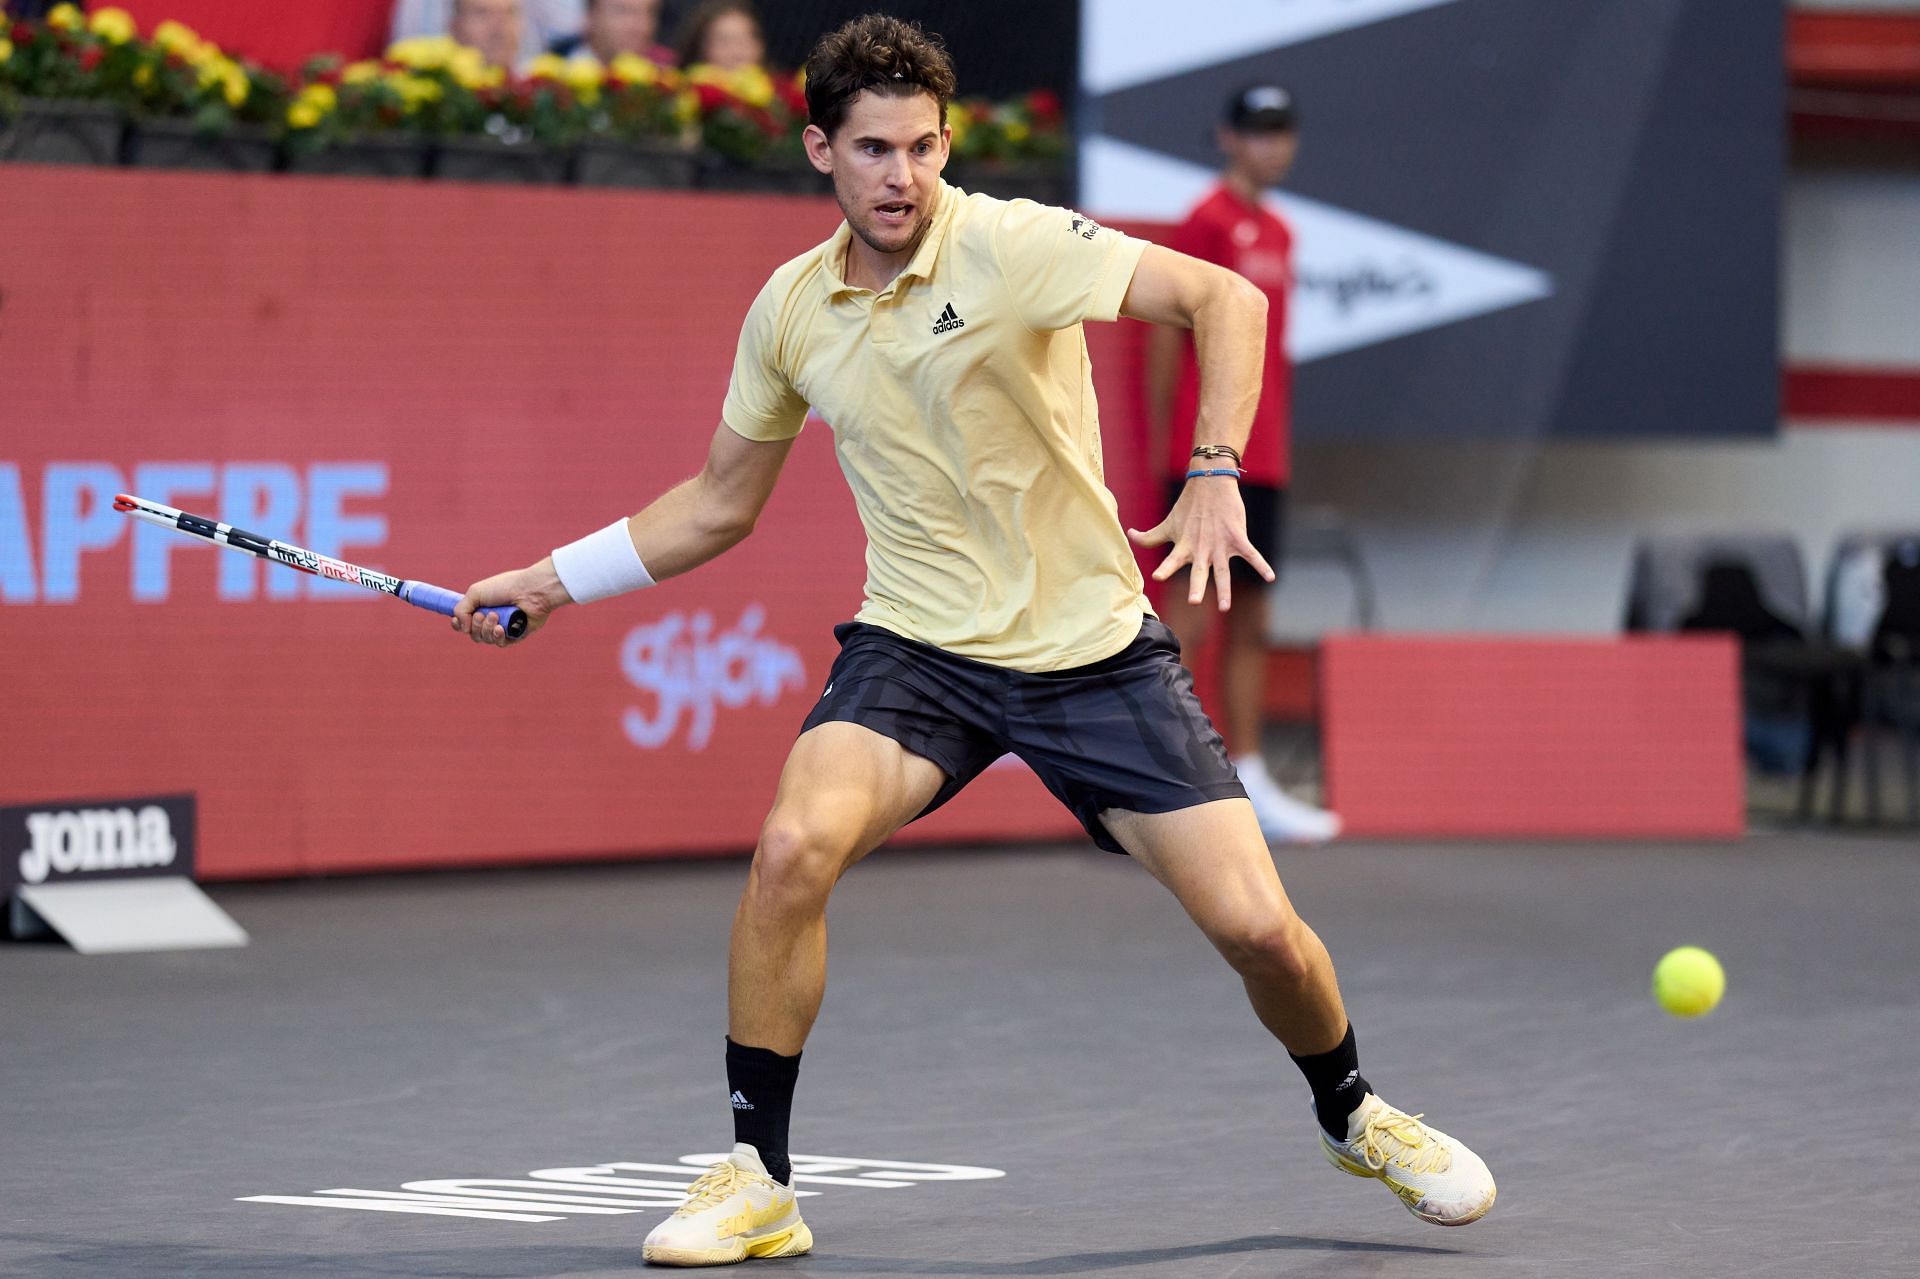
761,1082
1338,1088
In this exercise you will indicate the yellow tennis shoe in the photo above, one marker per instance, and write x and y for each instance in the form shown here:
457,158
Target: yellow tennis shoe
734,1212
1435,1176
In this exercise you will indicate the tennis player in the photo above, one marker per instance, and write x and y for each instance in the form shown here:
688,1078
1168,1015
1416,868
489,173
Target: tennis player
940,333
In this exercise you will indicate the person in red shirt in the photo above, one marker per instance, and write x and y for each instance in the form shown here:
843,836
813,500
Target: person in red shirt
1233,228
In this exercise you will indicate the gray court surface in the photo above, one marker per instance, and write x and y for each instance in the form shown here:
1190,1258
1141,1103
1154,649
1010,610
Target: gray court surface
1045,1013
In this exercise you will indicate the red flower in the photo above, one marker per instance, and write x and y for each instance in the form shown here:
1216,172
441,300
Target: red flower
1045,106
712,97
91,57
794,97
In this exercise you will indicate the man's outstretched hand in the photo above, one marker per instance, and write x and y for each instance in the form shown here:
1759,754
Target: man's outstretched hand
1208,527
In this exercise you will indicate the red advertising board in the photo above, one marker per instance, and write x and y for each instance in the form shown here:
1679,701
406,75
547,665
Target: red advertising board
437,381
1522,736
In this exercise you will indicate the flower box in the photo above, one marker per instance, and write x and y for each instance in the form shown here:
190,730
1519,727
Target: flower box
487,159
373,156
180,144
718,173
602,162
62,131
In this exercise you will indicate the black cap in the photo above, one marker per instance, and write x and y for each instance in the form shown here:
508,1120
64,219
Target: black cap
1260,108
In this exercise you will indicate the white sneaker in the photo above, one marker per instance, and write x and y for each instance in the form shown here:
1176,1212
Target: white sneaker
1434,1175
1282,817
733,1212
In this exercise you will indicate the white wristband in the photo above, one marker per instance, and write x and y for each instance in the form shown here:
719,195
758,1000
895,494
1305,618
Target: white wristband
601,565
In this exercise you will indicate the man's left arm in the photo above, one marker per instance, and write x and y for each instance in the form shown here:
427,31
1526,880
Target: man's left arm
1228,316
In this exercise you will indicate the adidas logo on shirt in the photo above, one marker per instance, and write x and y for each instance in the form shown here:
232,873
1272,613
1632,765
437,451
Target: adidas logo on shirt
948,322
740,1101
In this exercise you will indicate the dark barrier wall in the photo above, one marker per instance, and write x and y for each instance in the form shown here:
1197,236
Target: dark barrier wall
438,382
1517,219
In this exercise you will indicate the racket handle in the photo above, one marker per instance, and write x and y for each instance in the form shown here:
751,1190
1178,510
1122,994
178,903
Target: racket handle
441,601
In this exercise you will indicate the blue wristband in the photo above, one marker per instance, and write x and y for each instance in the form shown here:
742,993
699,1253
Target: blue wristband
1223,470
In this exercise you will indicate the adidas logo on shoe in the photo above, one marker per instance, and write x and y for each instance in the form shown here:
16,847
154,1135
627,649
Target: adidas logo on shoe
740,1101
948,322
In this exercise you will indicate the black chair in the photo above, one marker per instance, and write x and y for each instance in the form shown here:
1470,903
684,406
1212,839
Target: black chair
1890,693
1754,587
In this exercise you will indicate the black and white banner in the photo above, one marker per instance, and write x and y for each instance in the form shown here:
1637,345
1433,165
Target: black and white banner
1511,218
71,840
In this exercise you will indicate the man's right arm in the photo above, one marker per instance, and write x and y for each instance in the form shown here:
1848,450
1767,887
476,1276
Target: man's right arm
682,529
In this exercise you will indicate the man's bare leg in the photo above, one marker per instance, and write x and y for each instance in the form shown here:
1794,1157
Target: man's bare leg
1215,861
844,790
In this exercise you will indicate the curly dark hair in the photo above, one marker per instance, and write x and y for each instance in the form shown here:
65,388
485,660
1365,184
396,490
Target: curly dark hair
877,54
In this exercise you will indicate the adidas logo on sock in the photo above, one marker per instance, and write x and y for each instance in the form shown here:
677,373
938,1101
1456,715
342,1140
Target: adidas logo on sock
948,321
740,1101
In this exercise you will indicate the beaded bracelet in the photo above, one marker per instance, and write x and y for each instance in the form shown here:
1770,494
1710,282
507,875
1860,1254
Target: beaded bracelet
1222,470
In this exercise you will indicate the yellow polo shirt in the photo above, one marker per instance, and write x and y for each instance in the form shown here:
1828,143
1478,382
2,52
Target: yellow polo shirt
963,414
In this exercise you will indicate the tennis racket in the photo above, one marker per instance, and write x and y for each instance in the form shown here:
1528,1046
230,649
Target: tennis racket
419,594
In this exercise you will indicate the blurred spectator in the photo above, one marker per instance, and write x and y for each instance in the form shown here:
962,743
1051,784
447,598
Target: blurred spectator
724,34
495,27
544,21
1234,227
615,27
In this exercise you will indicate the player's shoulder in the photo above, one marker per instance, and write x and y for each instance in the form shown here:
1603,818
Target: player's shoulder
979,220
793,279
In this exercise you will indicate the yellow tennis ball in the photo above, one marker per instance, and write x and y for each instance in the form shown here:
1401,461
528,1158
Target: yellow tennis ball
1688,982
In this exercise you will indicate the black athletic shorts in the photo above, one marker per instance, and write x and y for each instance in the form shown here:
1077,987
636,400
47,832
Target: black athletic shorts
1125,733
1266,527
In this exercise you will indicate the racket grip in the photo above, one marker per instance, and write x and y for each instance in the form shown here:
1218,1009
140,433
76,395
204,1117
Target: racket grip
441,601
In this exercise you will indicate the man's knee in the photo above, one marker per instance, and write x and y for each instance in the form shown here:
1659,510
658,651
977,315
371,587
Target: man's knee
798,860
1276,949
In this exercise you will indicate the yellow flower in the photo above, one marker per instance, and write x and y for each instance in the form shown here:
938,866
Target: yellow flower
6,48
548,66
686,107
749,84
360,72
469,67
303,115
320,96
1017,131
115,26
635,69
752,84
228,77
585,75
957,121
424,53
415,90
176,37
143,75
65,17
